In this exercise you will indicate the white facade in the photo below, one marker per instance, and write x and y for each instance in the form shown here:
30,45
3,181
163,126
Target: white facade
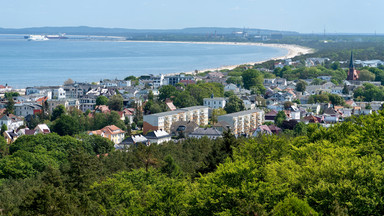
244,122
58,93
26,109
164,120
214,103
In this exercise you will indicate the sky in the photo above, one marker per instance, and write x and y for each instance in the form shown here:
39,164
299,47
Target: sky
304,16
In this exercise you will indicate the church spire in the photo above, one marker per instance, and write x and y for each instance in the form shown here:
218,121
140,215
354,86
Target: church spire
351,65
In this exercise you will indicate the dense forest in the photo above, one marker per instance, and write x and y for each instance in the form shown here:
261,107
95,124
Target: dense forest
336,171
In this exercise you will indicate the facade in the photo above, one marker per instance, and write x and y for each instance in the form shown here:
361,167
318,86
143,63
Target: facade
211,133
164,120
87,103
173,80
158,136
42,129
27,109
11,121
214,102
111,132
67,103
58,93
244,122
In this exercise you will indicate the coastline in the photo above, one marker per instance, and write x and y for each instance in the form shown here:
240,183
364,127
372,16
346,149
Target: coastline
293,51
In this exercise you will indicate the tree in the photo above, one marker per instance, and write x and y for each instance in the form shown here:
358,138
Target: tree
150,95
3,129
301,86
366,75
69,82
293,206
10,107
116,102
368,106
234,104
170,168
336,99
287,104
253,78
345,90
57,112
167,91
216,113
65,125
101,100
280,118
228,93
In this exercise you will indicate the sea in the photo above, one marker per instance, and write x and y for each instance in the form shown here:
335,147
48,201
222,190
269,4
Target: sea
26,63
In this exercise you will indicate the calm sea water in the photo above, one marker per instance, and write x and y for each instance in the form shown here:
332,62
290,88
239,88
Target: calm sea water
34,63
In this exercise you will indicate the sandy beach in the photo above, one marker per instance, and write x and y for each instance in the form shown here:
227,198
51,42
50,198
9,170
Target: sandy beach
293,50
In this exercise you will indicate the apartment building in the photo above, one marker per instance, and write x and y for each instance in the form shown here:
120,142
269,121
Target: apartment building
164,120
244,122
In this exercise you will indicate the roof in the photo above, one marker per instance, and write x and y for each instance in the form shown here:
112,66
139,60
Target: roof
185,126
206,132
43,127
134,139
246,112
109,130
157,134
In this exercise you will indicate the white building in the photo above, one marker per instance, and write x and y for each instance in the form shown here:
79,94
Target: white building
25,109
58,93
11,121
158,136
164,120
244,122
214,102
211,133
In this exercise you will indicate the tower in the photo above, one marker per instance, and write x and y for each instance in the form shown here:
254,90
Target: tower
353,74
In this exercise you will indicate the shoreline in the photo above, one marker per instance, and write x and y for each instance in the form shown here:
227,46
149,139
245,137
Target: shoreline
293,51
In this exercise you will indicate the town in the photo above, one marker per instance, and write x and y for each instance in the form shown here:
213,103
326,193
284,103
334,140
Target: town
247,101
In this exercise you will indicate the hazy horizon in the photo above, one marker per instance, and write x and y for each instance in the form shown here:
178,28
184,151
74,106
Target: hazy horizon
353,16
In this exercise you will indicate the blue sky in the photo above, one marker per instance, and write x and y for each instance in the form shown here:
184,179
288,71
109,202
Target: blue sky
305,16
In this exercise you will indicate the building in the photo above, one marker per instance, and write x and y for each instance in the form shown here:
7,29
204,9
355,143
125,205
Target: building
11,121
132,141
244,122
173,80
111,132
164,120
211,133
353,74
58,93
42,129
25,109
87,103
214,102
67,103
158,137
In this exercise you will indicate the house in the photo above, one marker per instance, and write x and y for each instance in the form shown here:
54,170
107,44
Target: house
67,103
11,121
164,120
214,102
87,102
111,132
211,133
26,131
10,136
58,93
262,129
132,141
174,79
244,122
158,136
170,105
231,87
42,129
25,109
270,117
274,129
183,128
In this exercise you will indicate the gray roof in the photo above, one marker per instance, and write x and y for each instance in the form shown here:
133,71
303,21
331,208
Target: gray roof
246,112
206,132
